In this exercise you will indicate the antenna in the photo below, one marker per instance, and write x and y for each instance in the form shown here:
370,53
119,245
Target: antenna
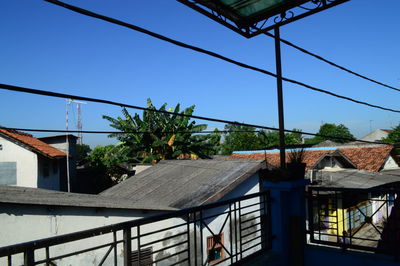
79,125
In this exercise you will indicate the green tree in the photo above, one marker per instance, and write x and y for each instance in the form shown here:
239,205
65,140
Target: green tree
337,133
393,136
82,152
158,135
241,138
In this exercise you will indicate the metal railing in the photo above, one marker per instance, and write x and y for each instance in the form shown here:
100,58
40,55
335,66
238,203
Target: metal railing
358,219
224,232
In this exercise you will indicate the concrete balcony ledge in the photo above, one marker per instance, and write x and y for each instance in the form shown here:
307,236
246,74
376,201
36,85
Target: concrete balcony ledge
319,255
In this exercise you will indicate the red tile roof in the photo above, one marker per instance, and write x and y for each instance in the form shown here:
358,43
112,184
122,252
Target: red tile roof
34,143
367,158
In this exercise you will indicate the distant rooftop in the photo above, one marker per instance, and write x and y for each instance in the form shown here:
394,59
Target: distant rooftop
369,157
32,143
352,178
185,183
35,196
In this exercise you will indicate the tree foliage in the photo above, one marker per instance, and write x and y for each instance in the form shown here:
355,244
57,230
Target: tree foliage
337,133
393,136
158,135
82,152
241,138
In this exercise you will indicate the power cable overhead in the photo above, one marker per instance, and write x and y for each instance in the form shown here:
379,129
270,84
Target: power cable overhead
210,53
70,96
331,63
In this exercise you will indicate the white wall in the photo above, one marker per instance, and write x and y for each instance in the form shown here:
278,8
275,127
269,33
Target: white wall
27,162
390,163
250,186
22,223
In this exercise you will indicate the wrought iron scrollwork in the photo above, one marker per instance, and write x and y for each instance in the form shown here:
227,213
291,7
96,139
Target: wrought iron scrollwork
209,8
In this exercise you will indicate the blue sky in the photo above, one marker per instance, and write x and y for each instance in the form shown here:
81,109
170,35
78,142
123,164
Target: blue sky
46,47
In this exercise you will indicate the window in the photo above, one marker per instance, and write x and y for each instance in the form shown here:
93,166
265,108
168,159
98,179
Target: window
146,257
46,169
215,249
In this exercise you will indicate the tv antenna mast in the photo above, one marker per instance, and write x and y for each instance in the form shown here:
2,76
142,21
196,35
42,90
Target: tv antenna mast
79,126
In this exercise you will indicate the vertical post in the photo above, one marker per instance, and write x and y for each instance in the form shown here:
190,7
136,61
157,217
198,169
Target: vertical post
127,247
29,257
280,97
68,101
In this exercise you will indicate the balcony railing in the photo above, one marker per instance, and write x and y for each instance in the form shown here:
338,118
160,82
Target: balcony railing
359,219
224,232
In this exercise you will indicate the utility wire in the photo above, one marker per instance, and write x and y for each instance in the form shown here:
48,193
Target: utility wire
75,97
192,132
331,63
213,54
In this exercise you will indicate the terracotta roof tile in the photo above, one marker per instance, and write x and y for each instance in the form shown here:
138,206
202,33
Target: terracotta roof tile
34,143
368,158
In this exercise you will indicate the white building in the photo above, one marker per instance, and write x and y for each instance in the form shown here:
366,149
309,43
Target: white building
169,185
29,162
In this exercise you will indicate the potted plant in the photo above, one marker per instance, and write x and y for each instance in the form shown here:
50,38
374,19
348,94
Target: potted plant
296,165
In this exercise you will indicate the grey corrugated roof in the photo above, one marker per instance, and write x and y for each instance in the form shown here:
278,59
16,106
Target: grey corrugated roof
35,196
355,179
185,183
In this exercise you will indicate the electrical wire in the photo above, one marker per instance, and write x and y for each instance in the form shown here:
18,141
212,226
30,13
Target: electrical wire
331,63
192,132
75,97
213,54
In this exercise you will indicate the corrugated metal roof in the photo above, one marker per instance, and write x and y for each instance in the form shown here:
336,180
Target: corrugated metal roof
354,179
185,183
35,196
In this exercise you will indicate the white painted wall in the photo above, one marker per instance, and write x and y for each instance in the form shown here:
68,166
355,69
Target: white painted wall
27,162
390,163
22,223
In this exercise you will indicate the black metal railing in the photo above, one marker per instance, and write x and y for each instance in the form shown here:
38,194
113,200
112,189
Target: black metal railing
222,232
359,219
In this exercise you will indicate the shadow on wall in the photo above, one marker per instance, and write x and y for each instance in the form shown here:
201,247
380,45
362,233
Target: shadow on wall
390,237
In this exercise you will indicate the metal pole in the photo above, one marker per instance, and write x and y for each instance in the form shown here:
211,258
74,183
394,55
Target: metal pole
280,97
68,102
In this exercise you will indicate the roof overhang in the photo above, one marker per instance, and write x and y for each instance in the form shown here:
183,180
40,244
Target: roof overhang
253,17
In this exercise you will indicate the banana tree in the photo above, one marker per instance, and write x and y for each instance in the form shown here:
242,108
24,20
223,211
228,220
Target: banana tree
157,135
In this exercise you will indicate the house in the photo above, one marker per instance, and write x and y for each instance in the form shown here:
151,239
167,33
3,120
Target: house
377,135
29,162
373,158
29,214
166,186
61,143
341,167
183,184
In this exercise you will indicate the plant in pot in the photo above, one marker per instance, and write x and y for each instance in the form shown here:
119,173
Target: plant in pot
296,165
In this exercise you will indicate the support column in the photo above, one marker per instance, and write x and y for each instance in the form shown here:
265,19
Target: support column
280,97
288,220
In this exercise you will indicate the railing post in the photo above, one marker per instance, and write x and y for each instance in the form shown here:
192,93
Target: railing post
127,247
29,257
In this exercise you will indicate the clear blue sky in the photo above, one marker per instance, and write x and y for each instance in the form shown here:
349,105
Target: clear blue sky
47,47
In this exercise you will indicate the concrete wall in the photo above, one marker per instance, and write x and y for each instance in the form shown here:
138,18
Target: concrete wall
26,162
52,180
59,142
22,223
